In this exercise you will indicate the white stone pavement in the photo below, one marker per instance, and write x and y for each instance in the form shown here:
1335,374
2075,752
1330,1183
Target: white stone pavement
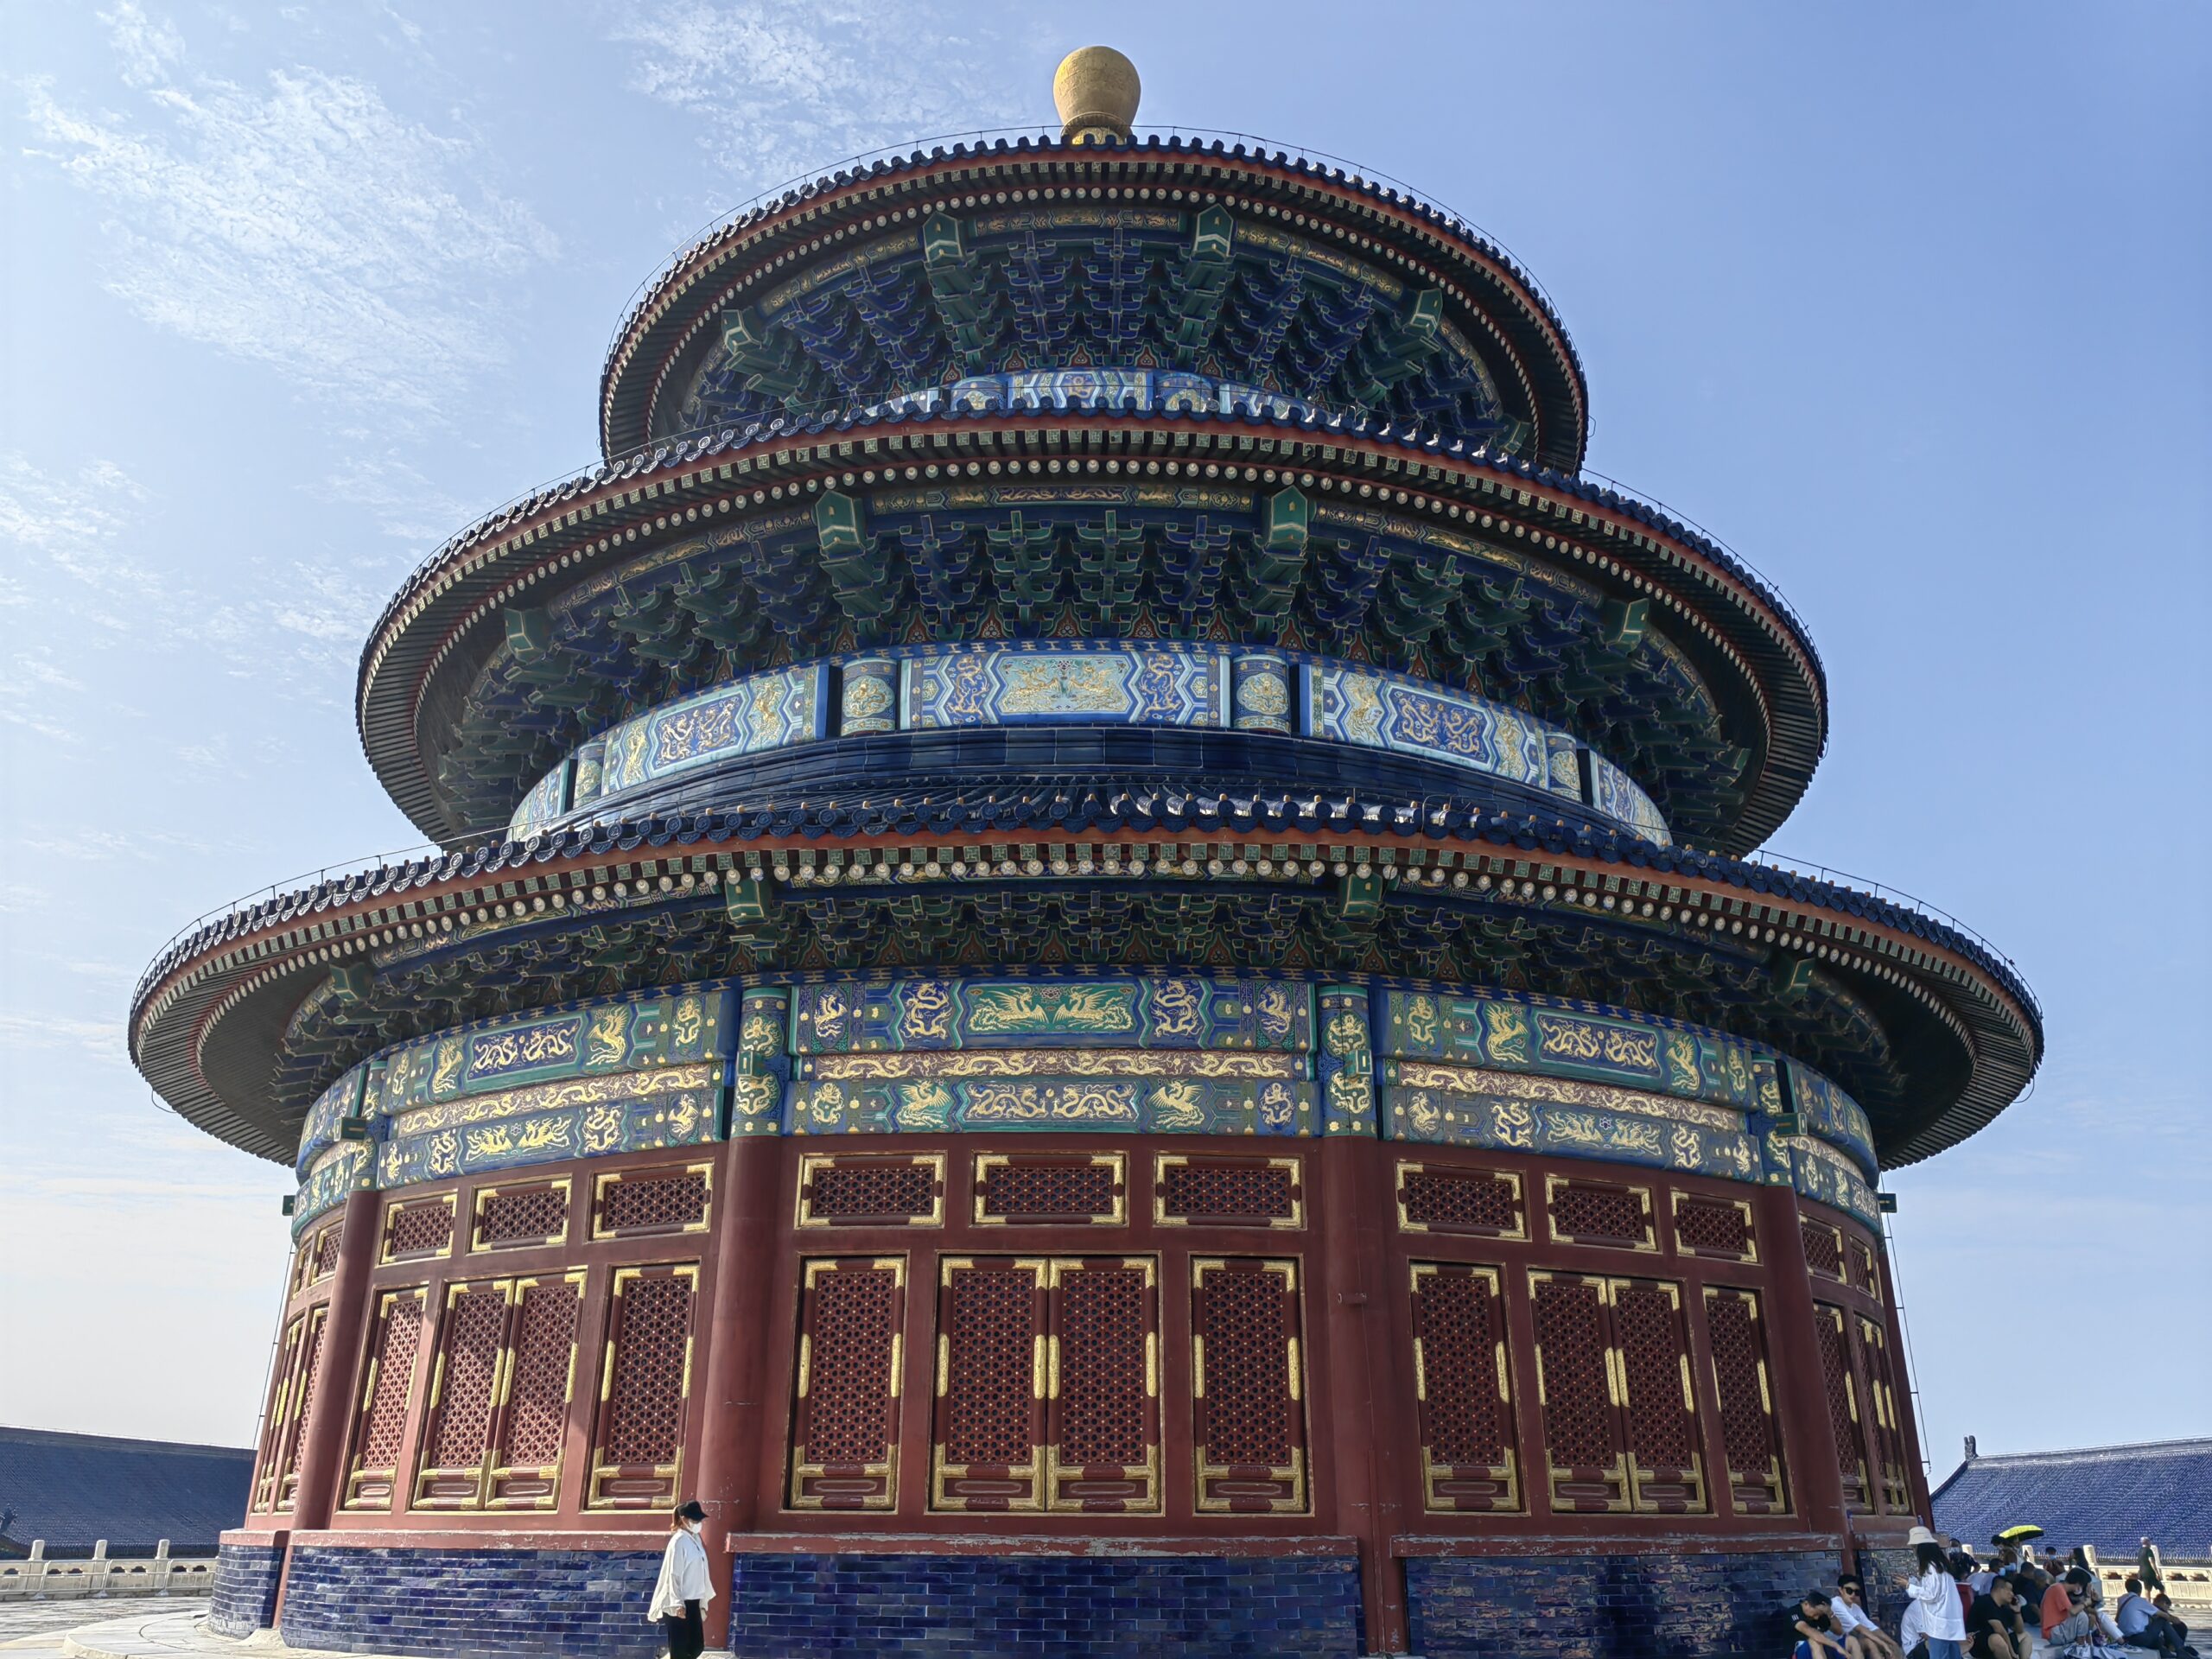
172,1630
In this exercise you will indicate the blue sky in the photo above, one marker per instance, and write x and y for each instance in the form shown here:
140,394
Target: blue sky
1907,303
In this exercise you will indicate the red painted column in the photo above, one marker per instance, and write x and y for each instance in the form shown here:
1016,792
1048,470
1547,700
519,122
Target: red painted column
1800,1392
749,1183
1356,1313
322,1437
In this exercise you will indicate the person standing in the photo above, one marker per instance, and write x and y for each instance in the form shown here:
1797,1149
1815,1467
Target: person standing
685,1588
1936,1593
2146,1567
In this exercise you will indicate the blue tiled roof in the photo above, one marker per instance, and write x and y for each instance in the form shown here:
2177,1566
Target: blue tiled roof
2108,1497
74,1489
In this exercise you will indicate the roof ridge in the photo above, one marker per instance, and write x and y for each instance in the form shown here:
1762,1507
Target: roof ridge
21,1436
2139,1447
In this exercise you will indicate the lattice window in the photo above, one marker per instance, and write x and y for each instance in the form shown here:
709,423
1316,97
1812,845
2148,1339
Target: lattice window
511,1216
652,1201
1719,1227
1598,1212
464,1384
1864,1273
526,1460
840,1190
1583,1433
1020,1188
328,1242
1888,1427
1823,1249
1102,1452
1666,1471
1229,1192
419,1229
386,1394
1249,1381
845,1424
1843,1404
1486,1203
637,1451
990,1386
1749,1437
1468,1461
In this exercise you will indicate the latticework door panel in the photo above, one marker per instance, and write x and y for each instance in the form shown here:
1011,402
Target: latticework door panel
386,1392
283,1389
1249,1376
302,1402
1652,1339
465,1383
645,1388
540,1381
1584,1437
845,1414
1751,1439
1466,1402
1888,1436
1103,1384
990,1428
1844,1422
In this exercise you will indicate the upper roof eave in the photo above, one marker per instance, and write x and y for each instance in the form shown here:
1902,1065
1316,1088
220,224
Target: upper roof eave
659,314
407,635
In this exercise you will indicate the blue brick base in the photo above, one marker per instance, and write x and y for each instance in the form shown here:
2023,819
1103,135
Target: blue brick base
1880,1569
474,1603
1044,1607
245,1588
1659,1606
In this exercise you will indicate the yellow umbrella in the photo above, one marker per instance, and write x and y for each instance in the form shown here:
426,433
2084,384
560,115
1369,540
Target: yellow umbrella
2017,1536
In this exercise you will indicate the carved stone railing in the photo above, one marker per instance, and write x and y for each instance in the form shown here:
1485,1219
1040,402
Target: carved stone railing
101,1574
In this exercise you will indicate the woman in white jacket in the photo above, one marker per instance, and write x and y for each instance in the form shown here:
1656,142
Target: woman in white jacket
1935,1598
685,1588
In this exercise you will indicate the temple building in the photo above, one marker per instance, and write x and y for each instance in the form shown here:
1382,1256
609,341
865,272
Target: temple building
1097,967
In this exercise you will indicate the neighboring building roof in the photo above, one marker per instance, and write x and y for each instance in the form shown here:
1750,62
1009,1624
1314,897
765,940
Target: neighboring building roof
2107,1496
74,1489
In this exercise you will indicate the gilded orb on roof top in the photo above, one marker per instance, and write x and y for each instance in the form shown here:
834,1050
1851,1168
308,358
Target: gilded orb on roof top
1096,90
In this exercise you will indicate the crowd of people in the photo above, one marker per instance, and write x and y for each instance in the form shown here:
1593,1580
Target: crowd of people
2013,1607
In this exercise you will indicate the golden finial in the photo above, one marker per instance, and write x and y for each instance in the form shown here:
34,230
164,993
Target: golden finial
1095,89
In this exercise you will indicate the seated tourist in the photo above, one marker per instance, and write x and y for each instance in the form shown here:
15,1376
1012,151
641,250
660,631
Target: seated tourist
1862,1637
2066,1616
1996,1628
1814,1631
2142,1625
2164,1604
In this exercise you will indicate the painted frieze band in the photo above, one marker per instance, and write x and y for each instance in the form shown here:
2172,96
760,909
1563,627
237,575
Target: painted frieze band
1179,1055
992,685
1061,682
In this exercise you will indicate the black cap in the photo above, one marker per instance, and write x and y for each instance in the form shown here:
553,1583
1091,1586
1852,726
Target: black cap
691,1510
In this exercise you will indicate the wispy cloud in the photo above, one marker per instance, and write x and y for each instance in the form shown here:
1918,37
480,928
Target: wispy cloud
101,1039
304,223
780,87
